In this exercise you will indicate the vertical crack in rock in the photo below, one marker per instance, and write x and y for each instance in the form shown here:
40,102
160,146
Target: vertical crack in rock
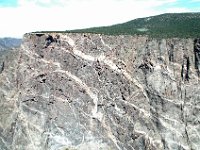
171,53
182,71
197,55
1,67
185,68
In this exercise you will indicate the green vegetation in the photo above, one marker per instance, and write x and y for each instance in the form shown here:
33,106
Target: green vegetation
183,25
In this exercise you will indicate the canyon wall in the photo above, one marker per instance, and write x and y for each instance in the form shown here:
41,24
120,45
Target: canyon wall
79,91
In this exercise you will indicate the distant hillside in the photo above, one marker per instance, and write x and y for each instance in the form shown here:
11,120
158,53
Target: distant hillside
7,43
165,25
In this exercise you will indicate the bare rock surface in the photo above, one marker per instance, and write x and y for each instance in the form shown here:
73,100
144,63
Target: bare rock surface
98,92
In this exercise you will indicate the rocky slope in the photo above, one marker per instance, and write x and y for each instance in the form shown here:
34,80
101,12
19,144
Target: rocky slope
97,92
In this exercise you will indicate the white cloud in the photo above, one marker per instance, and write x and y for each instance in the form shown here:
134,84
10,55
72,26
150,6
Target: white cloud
34,15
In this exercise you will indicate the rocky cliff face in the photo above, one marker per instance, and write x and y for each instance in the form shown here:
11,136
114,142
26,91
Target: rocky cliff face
97,92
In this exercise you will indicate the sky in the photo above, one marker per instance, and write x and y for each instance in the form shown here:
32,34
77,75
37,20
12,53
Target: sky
22,16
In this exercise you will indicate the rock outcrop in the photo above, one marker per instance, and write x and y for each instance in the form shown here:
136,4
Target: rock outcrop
97,92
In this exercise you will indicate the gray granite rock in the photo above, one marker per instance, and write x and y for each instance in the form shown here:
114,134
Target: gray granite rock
98,92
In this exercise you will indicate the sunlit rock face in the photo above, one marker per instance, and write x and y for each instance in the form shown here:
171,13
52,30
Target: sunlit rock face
98,92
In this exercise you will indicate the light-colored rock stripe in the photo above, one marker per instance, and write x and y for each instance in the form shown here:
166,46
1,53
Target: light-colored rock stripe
93,96
106,61
85,87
